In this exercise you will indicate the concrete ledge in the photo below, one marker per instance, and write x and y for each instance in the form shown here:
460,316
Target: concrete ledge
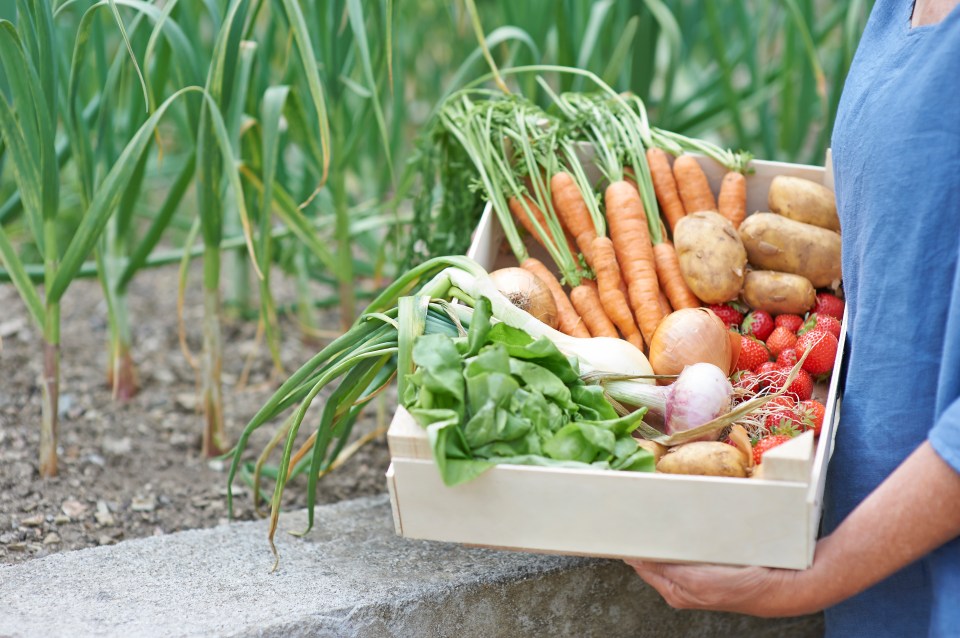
351,576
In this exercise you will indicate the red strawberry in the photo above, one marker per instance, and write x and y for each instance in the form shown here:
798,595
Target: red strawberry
824,322
802,386
828,304
790,322
828,323
765,370
780,339
766,444
787,358
811,415
781,412
823,351
752,354
758,323
730,316
746,381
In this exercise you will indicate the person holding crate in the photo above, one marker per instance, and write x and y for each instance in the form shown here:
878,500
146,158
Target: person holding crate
888,563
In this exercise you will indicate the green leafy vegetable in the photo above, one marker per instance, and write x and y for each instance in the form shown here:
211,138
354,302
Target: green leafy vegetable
500,396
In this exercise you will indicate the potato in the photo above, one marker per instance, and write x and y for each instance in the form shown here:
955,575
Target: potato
653,447
712,257
804,201
704,458
777,243
778,292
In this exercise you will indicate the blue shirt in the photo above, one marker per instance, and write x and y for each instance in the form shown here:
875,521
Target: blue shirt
896,154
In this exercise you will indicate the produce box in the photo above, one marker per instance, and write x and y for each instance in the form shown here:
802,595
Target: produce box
770,521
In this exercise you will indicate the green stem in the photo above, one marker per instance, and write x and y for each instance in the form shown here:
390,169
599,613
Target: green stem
50,386
211,396
348,301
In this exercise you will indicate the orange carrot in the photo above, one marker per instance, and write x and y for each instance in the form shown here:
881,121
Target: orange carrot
572,211
631,241
568,319
671,280
609,286
517,209
665,186
665,307
732,200
586,300
692,185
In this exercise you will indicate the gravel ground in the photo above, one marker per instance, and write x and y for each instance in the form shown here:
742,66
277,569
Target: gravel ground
134,469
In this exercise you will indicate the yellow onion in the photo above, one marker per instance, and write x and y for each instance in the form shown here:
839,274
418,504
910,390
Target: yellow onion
527,292
688,336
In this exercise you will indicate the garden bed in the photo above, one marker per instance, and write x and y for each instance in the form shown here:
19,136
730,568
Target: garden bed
133,470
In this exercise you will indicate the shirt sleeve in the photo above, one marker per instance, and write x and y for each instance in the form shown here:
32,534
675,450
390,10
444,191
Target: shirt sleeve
945,435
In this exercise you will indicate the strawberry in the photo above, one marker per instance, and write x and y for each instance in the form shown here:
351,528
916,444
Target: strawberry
781,413
801,388
824,322
830,305
746,381
811,415
823,351
780,339
730,316
766,369
828,323
752,354
787,358
766,444
790,322
758,323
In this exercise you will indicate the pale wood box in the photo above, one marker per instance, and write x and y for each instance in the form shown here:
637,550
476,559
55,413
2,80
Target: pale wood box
771,521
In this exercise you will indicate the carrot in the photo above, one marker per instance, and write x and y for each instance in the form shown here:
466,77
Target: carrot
732,200
568,319
572,211
671,280
609,287
521,215
665,186
692,185
631,243
586,300
665,303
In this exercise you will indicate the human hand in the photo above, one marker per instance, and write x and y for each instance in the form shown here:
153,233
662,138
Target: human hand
757,591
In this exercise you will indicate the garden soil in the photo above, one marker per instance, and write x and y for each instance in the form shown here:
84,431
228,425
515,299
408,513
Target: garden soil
134,469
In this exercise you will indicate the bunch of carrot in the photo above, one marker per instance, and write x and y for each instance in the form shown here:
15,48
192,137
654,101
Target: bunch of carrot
620,267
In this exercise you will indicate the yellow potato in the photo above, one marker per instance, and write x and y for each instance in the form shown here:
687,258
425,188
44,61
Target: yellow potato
712,257
704,458
804,201
776,243
778,292
653,447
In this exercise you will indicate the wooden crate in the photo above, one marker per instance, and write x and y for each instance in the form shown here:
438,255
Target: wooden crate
770,521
